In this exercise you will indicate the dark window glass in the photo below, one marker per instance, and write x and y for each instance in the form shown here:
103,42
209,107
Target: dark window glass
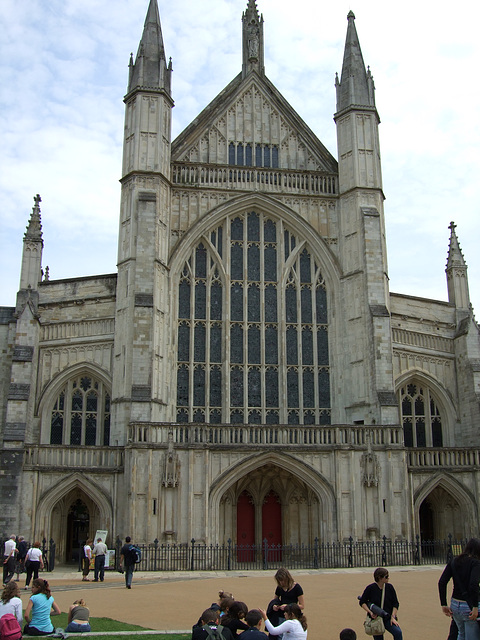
56,428
182,387
183,342
200,300
215,416
182,416
420,429
216,343
270,260
419,406
237,261
306,304
199,387
231,153
77,401
325,418
321,304
61,402
236,301
220,242
305,267
258,155
201,262
106,429
254,345
293,417
237,229
90,430
270,303
254,263
216,301
292,389
236,417
324,388
254,388
266,157
322,346
308,389
437,438
271,387
240,154
92,402
292,353
85,383
199,343
271,345
236,343
272,417
184,300
76,429
308,417
407,406
199,416
215,388
253,230
269,231
236,387
254,303
307,345
291,304
248,155
254,417
275,157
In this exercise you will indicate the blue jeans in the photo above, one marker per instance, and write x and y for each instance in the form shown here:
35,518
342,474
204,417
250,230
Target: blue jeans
392,628
74,627
467,629
129,574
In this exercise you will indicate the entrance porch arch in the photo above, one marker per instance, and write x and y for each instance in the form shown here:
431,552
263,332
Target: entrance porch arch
62,508
306,499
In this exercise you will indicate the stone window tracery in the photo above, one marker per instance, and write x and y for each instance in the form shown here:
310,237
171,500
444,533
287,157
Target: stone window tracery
243,155
252,341
81,413
421,418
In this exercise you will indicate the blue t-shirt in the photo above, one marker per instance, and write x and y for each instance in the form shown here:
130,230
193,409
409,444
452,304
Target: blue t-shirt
41,612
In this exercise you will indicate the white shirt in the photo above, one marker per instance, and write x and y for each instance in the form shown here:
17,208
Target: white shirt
13,606
34,554
9,548
290,629
87,551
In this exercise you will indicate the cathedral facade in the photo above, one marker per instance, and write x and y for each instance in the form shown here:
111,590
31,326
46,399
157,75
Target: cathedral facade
246,374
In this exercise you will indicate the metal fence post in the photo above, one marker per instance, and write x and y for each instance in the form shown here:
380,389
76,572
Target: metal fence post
52,554
265,553
192,560
384,551
350,552
315,554
155,555
229,554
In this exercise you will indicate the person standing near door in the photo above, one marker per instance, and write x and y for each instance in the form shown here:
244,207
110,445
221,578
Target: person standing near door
9,559
100,552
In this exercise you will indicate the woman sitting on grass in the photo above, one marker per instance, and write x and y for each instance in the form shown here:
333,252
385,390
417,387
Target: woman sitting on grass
10,601
39,609
294,627
78,617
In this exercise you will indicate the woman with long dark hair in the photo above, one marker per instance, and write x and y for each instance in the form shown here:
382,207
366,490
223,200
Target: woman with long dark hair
294,627
234,617
465,572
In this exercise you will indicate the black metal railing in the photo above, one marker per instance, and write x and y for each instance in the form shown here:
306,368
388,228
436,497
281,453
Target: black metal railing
196,556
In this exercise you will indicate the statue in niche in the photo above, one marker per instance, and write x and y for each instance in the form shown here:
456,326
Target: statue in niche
171,465
253,41
370,469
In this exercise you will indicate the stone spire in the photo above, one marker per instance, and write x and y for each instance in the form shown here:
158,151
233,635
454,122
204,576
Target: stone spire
253,50
356,84
31,273
150,70
456,270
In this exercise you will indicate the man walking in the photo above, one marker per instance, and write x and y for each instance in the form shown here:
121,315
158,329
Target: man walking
127,561
99,551
9,559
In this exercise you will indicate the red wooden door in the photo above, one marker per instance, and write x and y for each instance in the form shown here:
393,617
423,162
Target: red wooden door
272,526
245,528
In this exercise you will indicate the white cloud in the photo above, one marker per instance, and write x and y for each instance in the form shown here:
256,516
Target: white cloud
64,73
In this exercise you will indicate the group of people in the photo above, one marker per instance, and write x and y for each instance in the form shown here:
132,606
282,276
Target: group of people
99,553
18,558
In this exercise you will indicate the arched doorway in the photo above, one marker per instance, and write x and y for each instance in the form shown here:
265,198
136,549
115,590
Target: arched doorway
245,528
272,525
78,529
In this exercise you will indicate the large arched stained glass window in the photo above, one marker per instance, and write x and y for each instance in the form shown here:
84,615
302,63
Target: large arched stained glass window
421,419
252,341
81,414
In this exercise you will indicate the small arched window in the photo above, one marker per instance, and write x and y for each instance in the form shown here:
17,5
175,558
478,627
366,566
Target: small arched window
81,413
421,419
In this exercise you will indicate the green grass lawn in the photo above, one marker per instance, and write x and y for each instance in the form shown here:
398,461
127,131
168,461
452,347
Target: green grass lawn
107,624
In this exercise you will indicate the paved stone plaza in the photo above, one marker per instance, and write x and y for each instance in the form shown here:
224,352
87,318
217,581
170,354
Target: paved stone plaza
175,600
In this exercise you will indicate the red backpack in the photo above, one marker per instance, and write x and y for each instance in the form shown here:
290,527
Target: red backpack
9,628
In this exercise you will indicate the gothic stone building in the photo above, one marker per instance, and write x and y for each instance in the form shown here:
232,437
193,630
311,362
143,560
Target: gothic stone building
246,374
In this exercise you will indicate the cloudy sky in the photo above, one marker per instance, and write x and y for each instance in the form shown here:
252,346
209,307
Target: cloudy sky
63,75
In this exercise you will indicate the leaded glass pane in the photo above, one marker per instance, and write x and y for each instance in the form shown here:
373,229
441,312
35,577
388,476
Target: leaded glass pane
291,304
184,300
292,345
56,428
201,262
307,345
308,388
272,417
407,406
183,342
236,387
254,303
270,265
325,418
199,343
106,430
270,303
293,417
240,154
199,386
216,301
322,346
254,417
420,432
275,157
271,345
236,303
306,304
216,343
215,388
237,229
237,261
419,406
91,430
254,388
253,227
324,387
269,231
321,305
308,417
236,343
236,417
271,387
182,387
215,416
305,267
92,401
248,155
437,437
182,416
292,388
266,157
200,300
231,153
76,428
199,416
258,155
254,345
253,266
77,400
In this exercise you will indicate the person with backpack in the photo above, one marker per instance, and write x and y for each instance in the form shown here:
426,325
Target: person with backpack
211,629
11,616
128,559
39,609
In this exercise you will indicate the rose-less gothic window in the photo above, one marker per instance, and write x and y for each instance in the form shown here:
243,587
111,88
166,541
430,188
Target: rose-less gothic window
252,341
81,414
421,419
